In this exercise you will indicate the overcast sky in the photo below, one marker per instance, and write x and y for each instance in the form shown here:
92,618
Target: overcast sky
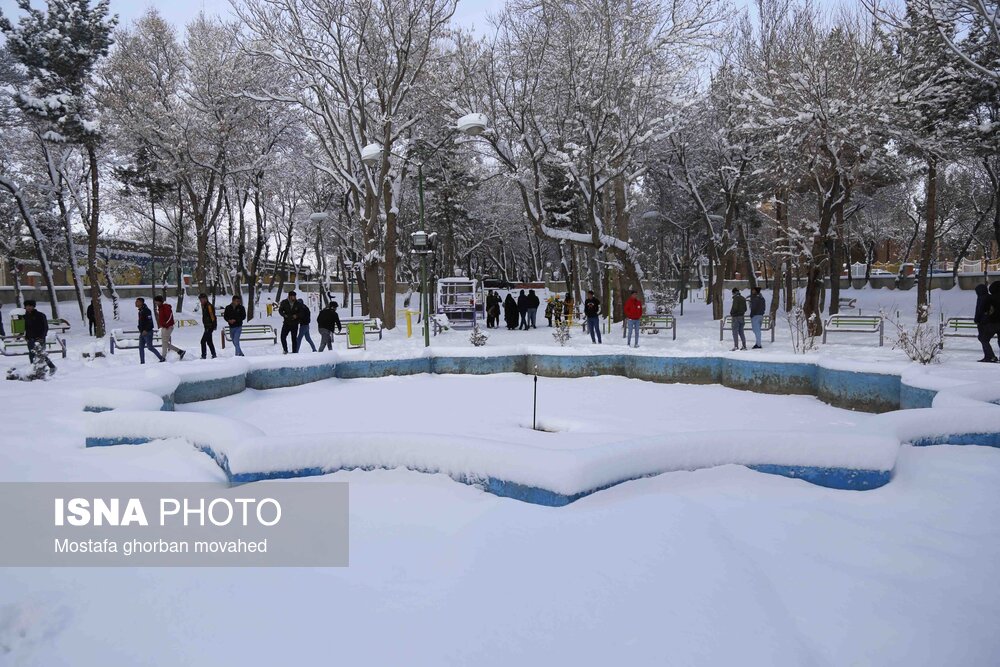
470,13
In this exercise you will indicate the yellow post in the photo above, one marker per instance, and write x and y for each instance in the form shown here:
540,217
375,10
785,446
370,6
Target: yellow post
409,323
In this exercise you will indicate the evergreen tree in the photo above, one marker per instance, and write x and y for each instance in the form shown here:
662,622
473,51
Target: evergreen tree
60,48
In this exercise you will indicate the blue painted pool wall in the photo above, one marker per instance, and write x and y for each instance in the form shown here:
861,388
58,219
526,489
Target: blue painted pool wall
915,397
868,392
277,378
207,390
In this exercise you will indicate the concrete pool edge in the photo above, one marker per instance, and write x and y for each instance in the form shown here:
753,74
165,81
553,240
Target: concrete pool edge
852,388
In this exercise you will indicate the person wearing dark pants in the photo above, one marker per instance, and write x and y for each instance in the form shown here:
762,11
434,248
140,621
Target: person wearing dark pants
533,303
209,321
327,321
36,328
234,314
522,311
738,312
592,311
304,318
145,328
2,333
757,307
90,318
289,322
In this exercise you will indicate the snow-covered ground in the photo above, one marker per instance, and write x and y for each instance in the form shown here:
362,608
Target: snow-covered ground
718,566
576,413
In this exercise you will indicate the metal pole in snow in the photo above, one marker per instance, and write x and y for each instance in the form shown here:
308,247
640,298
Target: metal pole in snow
534,409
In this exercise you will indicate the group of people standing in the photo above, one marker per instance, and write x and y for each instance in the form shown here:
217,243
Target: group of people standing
738,313
520,314
295,319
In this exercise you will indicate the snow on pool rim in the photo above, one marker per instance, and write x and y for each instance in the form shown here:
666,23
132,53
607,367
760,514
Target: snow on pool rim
855,458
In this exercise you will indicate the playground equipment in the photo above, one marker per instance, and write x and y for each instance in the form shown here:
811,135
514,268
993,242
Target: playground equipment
456,298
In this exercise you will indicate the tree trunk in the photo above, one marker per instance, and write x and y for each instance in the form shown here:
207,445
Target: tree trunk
93,230
924,277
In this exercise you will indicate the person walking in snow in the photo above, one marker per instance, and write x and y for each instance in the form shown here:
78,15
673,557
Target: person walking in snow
209,321
737,312
550,309
327,321
592,311
165,316
510,312
36,329
568,307
304,317
289,321
522,311
757,307
984,330
633,317
993,313
145,327
493,308
533,303
91,324
234,314
2,332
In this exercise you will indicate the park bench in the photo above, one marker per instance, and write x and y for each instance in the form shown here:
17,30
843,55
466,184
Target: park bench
15,346
855,324
846,302
251,332
58,324
652,324
128,339
964,327
726,324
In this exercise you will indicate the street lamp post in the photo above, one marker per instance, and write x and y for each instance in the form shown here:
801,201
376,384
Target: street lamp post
472,124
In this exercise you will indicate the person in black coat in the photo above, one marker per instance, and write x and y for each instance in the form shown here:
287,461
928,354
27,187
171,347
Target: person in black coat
522,310
234,315
510,312
991,316
328,320
36,328
90,318
533,303
145,327
981,318
2,333
209,321
289,322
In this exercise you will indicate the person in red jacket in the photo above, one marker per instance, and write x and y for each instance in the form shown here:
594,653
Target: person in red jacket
165,316
633,317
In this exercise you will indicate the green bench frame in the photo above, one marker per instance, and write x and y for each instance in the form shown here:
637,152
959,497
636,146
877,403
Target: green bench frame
957,327
726,324
251,332
855,324
17,346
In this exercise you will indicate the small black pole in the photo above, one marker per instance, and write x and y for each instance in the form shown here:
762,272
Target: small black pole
534,409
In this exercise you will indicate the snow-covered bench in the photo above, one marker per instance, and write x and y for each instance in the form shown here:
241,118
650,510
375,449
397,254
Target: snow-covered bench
16,346
654,323
17,324
846,302
129,339
726,324
251,332
963,327
855,324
